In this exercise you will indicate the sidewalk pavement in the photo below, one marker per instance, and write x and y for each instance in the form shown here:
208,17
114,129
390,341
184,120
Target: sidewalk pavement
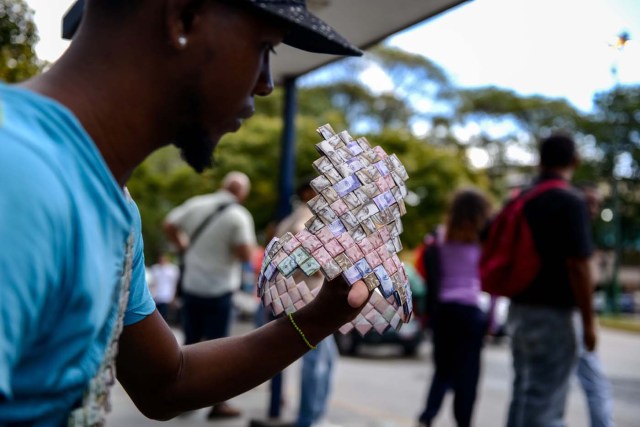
385,391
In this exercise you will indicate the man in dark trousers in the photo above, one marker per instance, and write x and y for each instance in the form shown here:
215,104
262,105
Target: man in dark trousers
215,234
543,317
74,304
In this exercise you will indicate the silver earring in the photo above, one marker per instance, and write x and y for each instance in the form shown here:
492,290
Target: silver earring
182,41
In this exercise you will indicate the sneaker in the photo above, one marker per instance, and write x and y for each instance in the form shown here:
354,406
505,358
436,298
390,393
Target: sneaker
223,410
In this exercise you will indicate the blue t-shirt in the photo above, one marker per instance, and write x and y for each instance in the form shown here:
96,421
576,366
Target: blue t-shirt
64,226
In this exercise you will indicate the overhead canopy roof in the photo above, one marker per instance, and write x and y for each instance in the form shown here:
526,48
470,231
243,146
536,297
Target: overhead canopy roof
362,22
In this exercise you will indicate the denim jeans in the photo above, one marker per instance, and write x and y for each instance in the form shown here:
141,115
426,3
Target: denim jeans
316,382
595,384
544,349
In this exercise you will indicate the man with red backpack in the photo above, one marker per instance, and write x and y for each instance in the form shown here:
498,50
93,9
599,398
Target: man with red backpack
555,287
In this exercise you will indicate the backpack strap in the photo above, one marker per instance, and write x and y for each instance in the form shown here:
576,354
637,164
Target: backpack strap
544,186
509,261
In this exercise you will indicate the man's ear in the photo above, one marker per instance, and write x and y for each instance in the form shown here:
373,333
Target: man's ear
180,17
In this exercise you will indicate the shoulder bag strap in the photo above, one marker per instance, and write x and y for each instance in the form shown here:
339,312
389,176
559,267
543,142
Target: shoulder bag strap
198,231
545,186
538,189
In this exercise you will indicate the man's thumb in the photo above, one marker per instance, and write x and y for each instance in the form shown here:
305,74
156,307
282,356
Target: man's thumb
358,295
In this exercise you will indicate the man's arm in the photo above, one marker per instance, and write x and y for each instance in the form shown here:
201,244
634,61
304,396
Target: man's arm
244,252
176,236
243,237
582,286
164,379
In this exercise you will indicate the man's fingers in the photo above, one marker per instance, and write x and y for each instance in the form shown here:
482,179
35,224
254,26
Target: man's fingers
358,294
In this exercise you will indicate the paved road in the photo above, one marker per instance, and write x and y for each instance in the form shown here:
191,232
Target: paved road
381,389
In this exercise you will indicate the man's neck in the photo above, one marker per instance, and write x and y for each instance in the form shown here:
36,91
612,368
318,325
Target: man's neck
110,108
563,173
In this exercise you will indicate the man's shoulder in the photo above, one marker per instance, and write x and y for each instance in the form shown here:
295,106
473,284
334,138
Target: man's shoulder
570,197
36,140
555,199
236,210
31,174
200,202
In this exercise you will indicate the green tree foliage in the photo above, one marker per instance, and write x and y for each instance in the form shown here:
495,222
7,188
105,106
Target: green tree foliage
607,137
18,36
413,78
615,128
435,172
505,120
437,163
522,119
536,115
360,105
163,181
615,125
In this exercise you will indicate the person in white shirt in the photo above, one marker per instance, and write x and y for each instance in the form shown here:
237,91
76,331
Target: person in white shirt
216,235
164,281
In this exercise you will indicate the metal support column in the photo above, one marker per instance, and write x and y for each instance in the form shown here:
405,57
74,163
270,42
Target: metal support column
285,191
288,154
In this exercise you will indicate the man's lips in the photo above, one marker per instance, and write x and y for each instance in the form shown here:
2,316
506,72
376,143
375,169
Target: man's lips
246,113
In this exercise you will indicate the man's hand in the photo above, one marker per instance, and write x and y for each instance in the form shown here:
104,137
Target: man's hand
338,302
164,379
582,286
176,236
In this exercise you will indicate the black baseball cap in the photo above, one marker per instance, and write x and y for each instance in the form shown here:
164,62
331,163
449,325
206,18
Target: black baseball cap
306,31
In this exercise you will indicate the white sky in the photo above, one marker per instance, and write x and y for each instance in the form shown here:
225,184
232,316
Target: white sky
556,48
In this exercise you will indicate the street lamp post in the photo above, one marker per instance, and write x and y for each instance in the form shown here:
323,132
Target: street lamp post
620,42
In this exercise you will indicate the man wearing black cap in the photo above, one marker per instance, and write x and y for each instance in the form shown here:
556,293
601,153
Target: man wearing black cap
74,304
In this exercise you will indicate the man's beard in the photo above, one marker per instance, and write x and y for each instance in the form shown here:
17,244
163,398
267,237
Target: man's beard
195,143
196,148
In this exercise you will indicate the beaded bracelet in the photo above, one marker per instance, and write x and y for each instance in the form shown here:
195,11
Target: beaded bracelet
304,338
354,232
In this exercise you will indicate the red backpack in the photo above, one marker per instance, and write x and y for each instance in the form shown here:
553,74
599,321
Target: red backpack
509,261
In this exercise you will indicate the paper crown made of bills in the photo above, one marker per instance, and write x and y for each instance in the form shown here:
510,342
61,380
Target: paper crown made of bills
355,231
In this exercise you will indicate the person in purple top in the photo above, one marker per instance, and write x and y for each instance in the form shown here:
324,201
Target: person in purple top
458,323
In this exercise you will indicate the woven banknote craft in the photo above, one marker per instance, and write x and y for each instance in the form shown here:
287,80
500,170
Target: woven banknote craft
355,231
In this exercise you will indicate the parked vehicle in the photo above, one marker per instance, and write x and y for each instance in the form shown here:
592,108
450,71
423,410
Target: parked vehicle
409,336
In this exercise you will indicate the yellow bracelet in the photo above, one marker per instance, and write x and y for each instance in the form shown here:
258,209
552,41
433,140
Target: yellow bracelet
306,341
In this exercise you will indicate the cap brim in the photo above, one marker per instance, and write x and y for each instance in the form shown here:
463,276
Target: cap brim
308,32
